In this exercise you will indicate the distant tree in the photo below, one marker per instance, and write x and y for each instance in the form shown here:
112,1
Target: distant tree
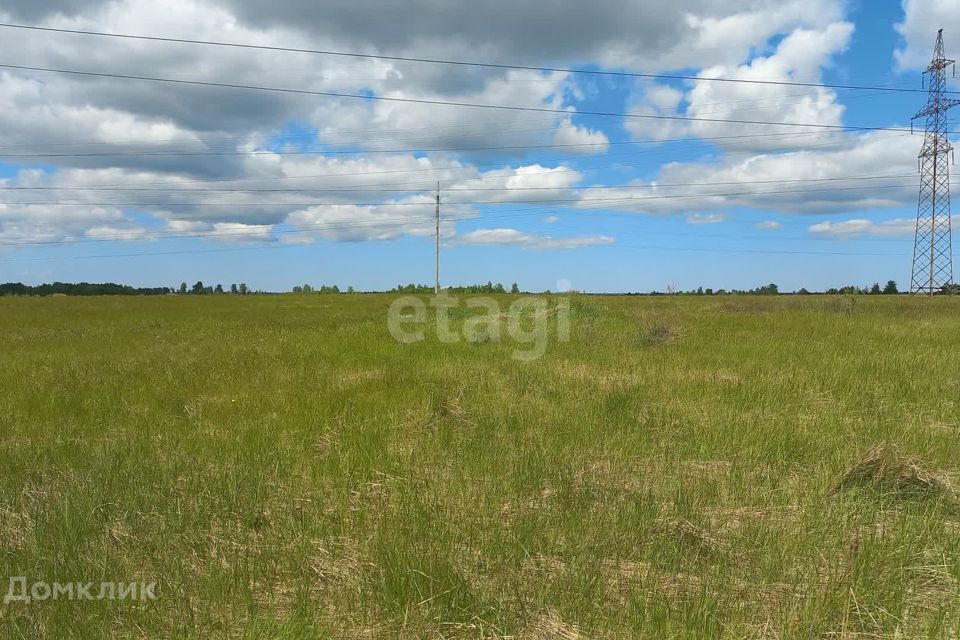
849,290
875,289
802,292
243,289
514,288
307,288
218,289
183,288
198,288
949,290
890,288
233,288
350,290
298,289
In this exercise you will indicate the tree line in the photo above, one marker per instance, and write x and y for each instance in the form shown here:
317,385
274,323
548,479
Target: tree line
772,290
472,288
80,289
199,288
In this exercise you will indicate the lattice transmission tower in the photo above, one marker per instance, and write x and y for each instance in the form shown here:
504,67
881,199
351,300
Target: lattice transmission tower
932,251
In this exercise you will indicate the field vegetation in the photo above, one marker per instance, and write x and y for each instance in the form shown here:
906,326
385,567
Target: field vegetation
682,467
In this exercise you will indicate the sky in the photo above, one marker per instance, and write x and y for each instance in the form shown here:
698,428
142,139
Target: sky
574,186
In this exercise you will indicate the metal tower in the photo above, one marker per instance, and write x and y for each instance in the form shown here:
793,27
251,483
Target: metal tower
932,253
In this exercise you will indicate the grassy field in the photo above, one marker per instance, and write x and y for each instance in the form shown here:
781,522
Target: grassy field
283,468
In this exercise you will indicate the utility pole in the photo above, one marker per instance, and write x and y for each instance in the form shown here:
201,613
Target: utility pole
932,251
436,247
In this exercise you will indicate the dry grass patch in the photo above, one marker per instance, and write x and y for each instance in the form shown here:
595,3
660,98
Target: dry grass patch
604,379
658,333
447,406
550,626
690,536
16,528
884,468
702,468
348,379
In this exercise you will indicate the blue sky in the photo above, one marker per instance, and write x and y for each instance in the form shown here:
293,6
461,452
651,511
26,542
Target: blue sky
153,185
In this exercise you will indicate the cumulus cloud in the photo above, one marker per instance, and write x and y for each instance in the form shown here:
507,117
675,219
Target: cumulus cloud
861,171
801,54
921,19
768,225
898,227
364,170
568,134
705,218
131,233
514,237
637,34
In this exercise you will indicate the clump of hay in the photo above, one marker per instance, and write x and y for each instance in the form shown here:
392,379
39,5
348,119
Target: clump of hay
550,626
447,406
884,468
657,333
690,536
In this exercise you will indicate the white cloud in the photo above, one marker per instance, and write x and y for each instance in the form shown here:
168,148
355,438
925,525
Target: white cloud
705,218
801,54
898,227
552,219
514,237
117,120
569,134
859,171
768,225
128,234
921,19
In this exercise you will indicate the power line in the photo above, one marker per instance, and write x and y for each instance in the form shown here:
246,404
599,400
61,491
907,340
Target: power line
447,103
489,166
617,203
288,246
134,204
395,189
400,130
464,63
406,150
328,152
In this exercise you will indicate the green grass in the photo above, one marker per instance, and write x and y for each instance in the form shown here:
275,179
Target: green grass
283,468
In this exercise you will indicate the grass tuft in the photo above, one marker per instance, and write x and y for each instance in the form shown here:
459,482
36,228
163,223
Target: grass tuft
884,468
657,333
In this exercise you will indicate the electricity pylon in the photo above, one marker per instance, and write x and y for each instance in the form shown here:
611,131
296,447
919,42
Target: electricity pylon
932,251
